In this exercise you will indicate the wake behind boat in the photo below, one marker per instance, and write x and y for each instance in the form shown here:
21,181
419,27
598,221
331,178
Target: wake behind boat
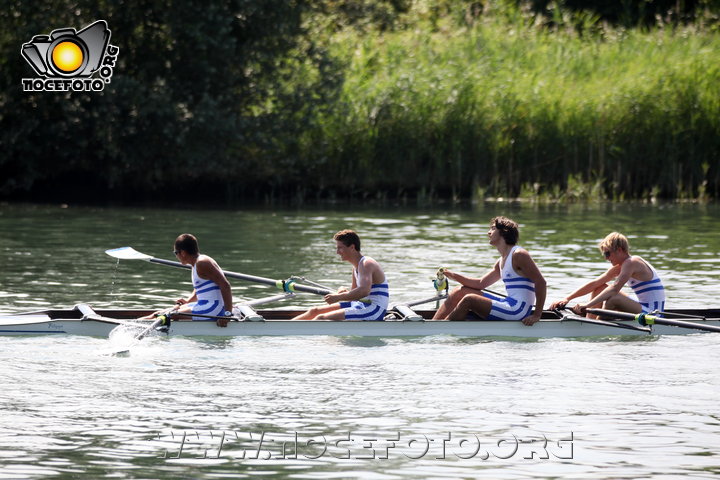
403,322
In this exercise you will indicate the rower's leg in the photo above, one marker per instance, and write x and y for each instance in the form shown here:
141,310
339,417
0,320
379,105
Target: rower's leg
154,315
314,312
594,294
472,302
457,294
623,303
336,315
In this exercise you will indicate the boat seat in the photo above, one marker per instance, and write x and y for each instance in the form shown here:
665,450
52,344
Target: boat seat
86,310
247,313
408,314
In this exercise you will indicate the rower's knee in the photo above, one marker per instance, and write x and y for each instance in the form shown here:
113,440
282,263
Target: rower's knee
315,312
457,294
465,302
613,303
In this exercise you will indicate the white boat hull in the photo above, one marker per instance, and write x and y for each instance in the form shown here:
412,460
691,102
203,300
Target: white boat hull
53,323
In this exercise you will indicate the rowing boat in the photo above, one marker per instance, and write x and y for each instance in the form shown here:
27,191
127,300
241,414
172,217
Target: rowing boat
401,321
83,320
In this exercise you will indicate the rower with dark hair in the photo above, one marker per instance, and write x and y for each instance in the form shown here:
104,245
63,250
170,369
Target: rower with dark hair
524,283
367,298
211,295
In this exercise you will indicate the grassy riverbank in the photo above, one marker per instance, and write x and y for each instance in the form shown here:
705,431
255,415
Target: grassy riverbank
510,108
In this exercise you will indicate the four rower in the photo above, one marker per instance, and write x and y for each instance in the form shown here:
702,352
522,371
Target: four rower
633,270
523,281
368,296
211,295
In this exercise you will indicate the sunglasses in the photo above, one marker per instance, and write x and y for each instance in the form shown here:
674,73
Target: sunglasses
606,253
176,252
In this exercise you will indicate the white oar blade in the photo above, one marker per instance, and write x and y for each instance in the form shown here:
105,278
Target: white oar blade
127,253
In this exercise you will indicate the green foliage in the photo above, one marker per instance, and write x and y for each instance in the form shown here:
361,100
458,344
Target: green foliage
372,99
199,96
508,102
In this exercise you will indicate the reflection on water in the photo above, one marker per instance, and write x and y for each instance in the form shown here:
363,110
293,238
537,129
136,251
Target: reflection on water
633,408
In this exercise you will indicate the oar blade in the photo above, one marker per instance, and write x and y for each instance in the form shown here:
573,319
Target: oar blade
127,253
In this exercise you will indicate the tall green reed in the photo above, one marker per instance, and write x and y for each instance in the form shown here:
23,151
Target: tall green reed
506,103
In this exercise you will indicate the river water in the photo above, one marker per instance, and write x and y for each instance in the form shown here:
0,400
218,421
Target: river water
345,407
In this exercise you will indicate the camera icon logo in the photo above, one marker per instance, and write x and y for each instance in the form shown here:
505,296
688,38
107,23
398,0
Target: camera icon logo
67,54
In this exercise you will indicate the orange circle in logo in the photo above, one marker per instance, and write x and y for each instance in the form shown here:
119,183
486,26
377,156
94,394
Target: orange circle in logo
67,56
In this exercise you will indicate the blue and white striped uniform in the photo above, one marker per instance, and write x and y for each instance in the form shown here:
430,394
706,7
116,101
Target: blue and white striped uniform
650,294
374,310
520,298
209,298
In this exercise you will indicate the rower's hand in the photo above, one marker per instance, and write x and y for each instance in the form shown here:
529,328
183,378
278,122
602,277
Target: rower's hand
560,304
580,309
331,298
223,322
449,274
532,319
181,301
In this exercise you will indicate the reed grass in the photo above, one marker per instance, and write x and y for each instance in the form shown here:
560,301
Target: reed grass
512,108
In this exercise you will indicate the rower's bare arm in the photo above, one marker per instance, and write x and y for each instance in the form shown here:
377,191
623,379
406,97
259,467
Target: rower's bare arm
476,283
360,288
611,290
589,287
628,268
183,301
527,267
364,282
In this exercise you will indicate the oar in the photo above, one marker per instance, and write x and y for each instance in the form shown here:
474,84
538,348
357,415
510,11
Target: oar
129,253
160,320
214,317
648,319
605,323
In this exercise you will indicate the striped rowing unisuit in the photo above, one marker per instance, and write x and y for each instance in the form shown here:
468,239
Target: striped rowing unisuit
379,299
521,294
650,293
209,298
